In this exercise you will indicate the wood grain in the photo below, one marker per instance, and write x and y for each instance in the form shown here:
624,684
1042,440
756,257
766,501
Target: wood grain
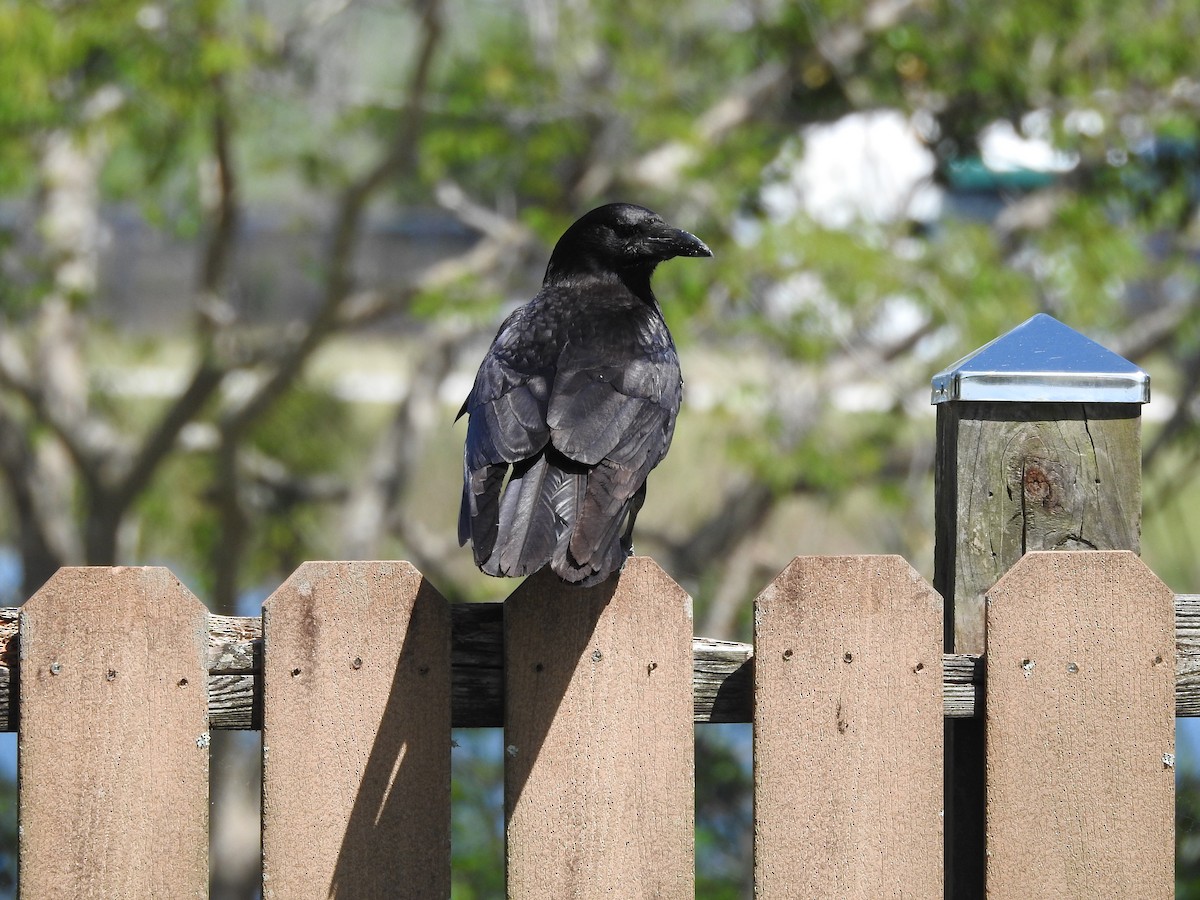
356,734
113,759
1080,729
848,731
599,742
1015,477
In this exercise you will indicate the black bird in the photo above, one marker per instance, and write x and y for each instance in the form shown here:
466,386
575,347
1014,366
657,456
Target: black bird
578,394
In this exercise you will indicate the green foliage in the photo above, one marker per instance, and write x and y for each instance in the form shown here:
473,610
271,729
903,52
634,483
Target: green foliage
146,76
724,817
8,837
310,430
477,834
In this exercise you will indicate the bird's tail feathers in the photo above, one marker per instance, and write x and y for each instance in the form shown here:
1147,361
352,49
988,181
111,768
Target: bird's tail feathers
552,510
539,507
593,549
479,515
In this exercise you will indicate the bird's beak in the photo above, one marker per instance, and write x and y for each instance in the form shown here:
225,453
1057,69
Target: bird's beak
687,244
667,242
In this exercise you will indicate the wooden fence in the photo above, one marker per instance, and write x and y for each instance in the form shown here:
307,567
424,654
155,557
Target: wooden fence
357,671
1009,734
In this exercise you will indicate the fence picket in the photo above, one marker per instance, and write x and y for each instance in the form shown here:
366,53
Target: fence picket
848,731
599,738
356,734
1080,729
113,737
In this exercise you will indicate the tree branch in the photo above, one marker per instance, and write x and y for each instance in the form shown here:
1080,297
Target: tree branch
397,453
662,167
144,463
88,442
208,375
338,288
218,250
39,557
346,233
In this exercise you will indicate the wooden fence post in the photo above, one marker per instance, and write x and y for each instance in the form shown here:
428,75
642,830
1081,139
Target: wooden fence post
356,734
113,737
1038,448
599,738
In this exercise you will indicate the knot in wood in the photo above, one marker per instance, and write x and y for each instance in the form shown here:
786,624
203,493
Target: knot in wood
1038,486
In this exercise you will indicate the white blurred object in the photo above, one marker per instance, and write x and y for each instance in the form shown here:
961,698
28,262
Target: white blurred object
869,167
1004,149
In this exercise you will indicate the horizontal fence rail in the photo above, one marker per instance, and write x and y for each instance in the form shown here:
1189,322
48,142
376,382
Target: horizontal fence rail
722,671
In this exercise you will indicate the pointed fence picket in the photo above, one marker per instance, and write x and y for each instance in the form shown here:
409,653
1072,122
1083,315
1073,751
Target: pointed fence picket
113,737
360,669
848,731
598,738
356,734
1080,729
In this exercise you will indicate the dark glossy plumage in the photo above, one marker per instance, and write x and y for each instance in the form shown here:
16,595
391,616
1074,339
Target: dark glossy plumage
578,396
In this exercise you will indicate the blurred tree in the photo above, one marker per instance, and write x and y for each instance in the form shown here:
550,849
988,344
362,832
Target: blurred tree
512,123
862,170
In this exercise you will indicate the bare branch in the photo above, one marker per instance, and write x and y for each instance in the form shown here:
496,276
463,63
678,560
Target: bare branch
218,250
88,441
398,452
346,233
208,375
338,288
41,555
841,43
663,166
161,440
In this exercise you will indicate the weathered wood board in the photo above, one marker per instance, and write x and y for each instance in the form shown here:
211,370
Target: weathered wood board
848,731
599,740
1080,729
356,734
113,738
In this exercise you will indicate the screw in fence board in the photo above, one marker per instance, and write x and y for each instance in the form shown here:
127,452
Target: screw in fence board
848,720
599,738
356,734
1038,448
113,737
1080,729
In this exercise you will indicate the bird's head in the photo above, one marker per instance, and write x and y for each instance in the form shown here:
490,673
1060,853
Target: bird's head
620,238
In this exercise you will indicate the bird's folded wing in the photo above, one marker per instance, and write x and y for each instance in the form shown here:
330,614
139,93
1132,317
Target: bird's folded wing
508,415
622,412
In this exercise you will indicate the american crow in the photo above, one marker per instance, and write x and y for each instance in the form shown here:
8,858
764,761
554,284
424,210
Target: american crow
578,393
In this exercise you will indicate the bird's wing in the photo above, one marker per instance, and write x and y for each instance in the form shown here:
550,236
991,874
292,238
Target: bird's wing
618,417
507,407
602,410
617,409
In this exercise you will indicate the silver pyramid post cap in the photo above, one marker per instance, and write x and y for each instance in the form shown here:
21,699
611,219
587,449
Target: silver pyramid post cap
1042,361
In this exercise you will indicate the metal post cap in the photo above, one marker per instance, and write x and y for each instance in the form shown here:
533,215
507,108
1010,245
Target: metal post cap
1043,361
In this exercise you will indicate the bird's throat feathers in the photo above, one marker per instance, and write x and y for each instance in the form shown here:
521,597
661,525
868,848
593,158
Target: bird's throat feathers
580,276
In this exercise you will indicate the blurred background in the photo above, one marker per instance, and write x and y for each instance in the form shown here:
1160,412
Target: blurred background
251,252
